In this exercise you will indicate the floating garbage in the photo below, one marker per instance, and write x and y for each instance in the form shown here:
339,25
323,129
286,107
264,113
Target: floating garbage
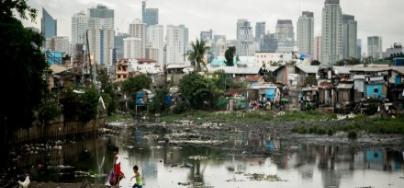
197,157
264,177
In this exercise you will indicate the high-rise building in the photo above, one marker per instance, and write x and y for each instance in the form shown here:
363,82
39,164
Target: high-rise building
155,40
79,28
269,43
331,41
349,36
186,37
285,36
305,33
175,49
150,16
317,48
137,29
206,35
245,38
101,34
133,48
375,47
359,49
59,44
259,31
118,44
48,25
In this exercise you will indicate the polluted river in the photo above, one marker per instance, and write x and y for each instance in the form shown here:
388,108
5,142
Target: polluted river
214,155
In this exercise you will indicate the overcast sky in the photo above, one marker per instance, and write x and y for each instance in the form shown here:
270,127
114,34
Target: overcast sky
375,17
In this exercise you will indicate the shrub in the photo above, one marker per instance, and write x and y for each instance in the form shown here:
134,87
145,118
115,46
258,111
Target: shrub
352,135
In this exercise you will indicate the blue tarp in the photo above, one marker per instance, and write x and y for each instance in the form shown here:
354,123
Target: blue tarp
168,100
270,94
375,91
140,98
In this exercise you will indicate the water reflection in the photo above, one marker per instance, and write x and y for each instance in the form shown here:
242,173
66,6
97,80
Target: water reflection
296,164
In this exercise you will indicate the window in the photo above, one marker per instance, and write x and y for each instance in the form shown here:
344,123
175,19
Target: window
376,90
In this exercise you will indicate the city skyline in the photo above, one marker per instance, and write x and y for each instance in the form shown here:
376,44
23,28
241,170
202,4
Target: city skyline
223,21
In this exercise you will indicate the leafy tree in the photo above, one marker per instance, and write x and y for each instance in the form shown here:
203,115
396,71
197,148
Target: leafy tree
229,55
157,103
107,90
24,67
80,106
197,90
137,83
221,80
195,56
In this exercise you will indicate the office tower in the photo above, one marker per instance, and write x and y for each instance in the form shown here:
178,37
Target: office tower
259,31
186,38
269,43
285,36
79,28
305,33
317,48
375,47
155,40
48,25
150,16
349,36
206,35
245,38
359,48
133,48
175,49
118,44
331,41
101,34
101,44
137,29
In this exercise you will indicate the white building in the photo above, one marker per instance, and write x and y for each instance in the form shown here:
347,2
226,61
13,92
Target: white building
245,38
305,33
349,36
285,36
317,48
137,29
175,49
153,53
375,47
79,28
101,34
144,67
101,44
155,40
132,48
59,44
331,41
272,58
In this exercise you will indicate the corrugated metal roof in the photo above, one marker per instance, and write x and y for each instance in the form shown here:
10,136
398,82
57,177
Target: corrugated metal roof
308,68
342,69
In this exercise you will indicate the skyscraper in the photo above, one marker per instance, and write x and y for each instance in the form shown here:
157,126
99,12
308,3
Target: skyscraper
48,25
137,29
150,16
349,36
269,43
259,31
101,34
375,47
245,38
175,45
133,48
206,35
359,49
285,35
186,37
331,41
317,48
118,44
79,28
155,39
305,33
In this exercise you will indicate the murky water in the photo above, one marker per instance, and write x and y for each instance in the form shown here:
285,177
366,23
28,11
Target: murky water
293,165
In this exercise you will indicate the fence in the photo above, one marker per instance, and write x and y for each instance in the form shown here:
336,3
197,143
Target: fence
57,130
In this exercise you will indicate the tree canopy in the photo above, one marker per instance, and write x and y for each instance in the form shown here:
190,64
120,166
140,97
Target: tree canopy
197,53
137,83
229,55
197,90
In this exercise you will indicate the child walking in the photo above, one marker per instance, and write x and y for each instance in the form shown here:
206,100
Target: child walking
138,177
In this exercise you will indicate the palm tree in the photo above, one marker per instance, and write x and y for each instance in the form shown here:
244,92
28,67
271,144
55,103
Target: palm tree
196,54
